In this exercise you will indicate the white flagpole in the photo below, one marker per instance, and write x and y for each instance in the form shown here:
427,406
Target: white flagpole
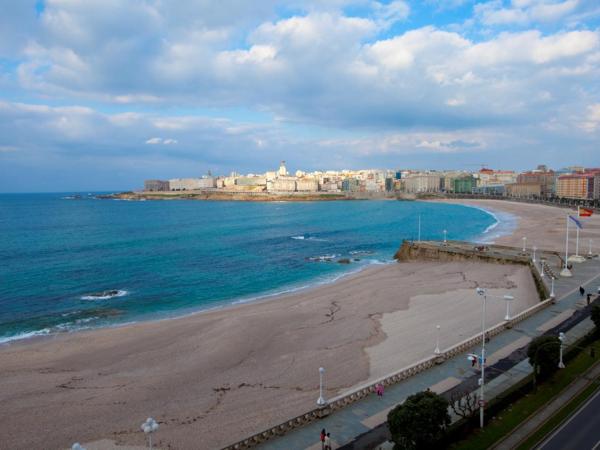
567,246
419,239
577,240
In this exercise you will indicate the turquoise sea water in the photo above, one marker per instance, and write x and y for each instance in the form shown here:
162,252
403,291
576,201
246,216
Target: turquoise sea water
168,258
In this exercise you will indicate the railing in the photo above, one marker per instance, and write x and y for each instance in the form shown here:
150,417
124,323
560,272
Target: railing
552,201
364,390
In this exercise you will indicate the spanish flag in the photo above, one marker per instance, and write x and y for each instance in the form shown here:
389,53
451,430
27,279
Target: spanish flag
585,212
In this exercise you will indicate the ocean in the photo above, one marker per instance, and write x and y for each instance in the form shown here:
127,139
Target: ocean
61,254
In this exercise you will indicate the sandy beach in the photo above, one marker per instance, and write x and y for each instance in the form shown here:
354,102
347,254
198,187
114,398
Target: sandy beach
214,377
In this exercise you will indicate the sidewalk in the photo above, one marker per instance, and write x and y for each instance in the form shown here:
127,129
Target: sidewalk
506,353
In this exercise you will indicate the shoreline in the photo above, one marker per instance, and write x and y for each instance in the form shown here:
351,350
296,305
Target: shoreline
283,291
224,374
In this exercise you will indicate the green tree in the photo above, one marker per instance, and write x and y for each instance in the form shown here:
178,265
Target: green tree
543,353
420,422
596,317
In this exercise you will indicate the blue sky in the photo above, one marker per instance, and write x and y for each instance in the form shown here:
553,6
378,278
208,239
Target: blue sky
101,94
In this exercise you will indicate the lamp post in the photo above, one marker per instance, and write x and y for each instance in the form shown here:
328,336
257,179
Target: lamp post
149,427
552,289
321,401
561,338
445,236
437,341
534,249
483,293
524,244
542,269
508,298
590,249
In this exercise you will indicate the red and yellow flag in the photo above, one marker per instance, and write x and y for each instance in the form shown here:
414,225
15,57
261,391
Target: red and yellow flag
585,212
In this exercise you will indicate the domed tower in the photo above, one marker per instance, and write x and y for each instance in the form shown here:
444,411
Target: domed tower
282,170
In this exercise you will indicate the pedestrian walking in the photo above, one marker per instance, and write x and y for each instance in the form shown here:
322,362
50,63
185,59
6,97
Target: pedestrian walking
327,442
323,436
581,290
379,390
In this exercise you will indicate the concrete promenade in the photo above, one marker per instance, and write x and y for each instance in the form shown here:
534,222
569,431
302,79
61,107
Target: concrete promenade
507,365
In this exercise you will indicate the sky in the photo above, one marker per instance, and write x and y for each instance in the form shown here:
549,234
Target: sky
99,95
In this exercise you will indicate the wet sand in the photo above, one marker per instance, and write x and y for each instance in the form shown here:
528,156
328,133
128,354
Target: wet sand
214,377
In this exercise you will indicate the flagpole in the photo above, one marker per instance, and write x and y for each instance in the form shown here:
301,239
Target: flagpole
567,244
577,233
566,272
419,239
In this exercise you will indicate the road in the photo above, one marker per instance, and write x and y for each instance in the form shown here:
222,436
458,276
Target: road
580,432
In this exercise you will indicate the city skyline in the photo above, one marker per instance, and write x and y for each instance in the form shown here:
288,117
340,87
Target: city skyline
102,95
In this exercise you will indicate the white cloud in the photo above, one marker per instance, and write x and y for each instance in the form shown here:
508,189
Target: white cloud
592,119
387,14
315,68
532,47
455,101
524,12
161,141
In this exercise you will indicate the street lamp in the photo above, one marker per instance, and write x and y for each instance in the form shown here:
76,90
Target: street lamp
508,298
437,341
534,249
483,293
524,244
542,269
321,401
149,427
552,289
445,235
590,249
561,338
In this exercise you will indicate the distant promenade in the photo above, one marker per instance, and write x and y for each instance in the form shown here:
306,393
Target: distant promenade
554,201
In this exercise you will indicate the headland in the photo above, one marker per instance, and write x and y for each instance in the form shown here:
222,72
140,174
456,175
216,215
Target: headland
253,196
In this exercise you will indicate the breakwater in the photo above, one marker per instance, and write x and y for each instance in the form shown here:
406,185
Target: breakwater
552,261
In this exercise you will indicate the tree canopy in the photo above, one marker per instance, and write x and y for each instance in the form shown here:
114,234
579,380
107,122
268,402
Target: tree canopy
543,352
419,422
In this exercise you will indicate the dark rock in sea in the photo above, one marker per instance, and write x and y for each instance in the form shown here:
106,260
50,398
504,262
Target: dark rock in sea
356,259
344,261
111,293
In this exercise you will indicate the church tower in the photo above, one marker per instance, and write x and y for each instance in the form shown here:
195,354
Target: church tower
282,170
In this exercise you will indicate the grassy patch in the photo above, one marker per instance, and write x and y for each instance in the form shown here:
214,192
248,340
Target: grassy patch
519,411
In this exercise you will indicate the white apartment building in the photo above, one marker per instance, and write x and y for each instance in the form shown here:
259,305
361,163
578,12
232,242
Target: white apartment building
307,184
422,183
190,184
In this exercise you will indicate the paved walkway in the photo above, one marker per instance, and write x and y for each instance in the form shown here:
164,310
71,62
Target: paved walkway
507,348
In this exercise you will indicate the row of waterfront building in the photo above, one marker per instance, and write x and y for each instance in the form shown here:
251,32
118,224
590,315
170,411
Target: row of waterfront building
572,182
